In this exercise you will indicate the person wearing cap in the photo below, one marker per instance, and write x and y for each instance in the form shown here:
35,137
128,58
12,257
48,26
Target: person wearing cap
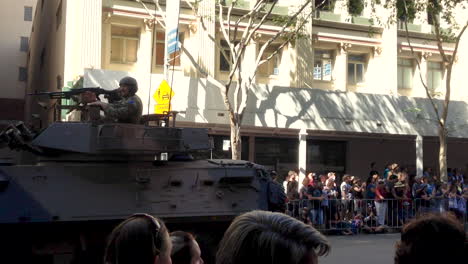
127,110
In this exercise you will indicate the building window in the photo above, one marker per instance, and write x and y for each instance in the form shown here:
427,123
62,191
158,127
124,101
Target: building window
327,5
324,155
405,73
124,45
218,150
28,13
356,68
24,44
23,74
433,10
410,7
59,80
355,7
159,48
276,152
270,67
323,65
174,58
435,74
224,64
160,44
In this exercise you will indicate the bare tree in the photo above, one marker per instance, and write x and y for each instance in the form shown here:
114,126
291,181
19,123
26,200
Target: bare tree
240,78
439,11
239,32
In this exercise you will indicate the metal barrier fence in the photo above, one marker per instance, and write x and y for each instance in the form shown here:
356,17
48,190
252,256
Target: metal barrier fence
368,215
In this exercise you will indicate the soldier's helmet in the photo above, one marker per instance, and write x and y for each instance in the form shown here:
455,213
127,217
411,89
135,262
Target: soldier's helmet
131,83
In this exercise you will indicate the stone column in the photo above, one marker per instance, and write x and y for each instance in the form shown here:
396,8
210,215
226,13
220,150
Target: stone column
388,57
303,57
250,56
302,165
340,69
419,155
91,34
146,45
206,56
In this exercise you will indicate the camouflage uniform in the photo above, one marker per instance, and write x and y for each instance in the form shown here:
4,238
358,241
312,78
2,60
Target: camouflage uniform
127,110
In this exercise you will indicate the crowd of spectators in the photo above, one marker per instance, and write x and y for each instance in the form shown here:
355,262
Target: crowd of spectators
374,203
349,204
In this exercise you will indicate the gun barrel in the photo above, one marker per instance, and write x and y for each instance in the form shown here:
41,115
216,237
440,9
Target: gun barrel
112,94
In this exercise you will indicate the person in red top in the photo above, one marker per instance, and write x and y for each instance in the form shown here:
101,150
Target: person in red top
380,202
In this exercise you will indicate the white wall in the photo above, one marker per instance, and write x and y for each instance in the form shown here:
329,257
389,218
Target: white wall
12,27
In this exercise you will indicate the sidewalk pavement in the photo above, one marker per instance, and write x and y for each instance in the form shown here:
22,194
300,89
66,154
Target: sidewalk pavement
362,249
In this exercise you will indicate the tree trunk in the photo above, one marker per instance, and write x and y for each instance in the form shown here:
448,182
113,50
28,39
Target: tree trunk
443,154
236,143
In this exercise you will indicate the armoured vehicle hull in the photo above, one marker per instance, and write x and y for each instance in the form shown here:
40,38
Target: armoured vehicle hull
175,191
84,178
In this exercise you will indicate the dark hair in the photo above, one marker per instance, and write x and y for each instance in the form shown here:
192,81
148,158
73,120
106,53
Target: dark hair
266,237
433,238
370,178
181,247
138,239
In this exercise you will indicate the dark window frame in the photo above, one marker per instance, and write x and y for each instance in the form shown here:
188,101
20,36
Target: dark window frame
28,13
22,74
322,52
364,62
402,66
24,44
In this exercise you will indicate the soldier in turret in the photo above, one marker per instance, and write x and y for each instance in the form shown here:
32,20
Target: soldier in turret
127,110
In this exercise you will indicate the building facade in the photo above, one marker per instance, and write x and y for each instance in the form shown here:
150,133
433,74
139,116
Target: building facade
338,100
16,17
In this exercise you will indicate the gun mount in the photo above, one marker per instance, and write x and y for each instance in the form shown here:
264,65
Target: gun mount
110,142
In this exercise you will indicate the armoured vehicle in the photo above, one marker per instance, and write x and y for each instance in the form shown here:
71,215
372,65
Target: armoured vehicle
83,175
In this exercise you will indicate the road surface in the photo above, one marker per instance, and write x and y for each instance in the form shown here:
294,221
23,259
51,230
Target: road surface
362,249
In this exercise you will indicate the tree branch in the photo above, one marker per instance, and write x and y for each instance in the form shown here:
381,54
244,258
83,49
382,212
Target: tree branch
438,38
262,21
431,99
153,17
223,28
245,42
211,37
449,74
163,14
229,18
259,61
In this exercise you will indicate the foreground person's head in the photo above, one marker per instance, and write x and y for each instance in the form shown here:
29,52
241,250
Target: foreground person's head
141,239
432,239
265,237
185,249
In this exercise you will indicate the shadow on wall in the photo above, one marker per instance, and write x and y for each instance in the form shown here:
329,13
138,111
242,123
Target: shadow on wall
288,107
315,109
